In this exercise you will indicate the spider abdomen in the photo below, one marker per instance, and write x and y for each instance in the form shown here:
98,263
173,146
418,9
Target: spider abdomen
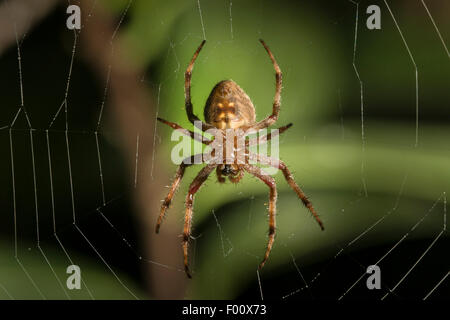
229,107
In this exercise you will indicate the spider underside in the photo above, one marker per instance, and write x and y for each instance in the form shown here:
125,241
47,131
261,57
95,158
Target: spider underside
229,107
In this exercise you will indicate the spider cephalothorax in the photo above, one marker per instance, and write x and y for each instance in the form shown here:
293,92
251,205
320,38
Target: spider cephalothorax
229,108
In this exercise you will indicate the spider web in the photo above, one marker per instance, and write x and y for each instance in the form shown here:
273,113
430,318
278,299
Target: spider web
64,188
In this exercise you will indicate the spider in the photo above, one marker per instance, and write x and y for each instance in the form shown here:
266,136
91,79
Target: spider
228,107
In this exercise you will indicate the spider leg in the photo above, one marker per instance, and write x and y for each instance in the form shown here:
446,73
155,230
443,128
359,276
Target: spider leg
174,187
276,100
267,137
193,135
187,91
270,182
193,188
290,180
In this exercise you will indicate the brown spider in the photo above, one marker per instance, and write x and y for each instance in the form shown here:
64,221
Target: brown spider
229,107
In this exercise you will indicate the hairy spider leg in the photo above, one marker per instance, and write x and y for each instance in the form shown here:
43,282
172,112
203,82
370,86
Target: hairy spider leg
196,136
193,188
267,137
270,182
290,180
276,100
189,161
187,91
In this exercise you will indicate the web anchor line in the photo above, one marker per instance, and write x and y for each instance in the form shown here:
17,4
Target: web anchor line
259,284
436,286
16,256
154,138
221,234
7,292
100,168
201,19
414,265
300,274
106,263
361,94
130,246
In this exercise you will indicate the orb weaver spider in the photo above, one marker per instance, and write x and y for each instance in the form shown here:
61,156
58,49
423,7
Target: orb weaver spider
229,107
